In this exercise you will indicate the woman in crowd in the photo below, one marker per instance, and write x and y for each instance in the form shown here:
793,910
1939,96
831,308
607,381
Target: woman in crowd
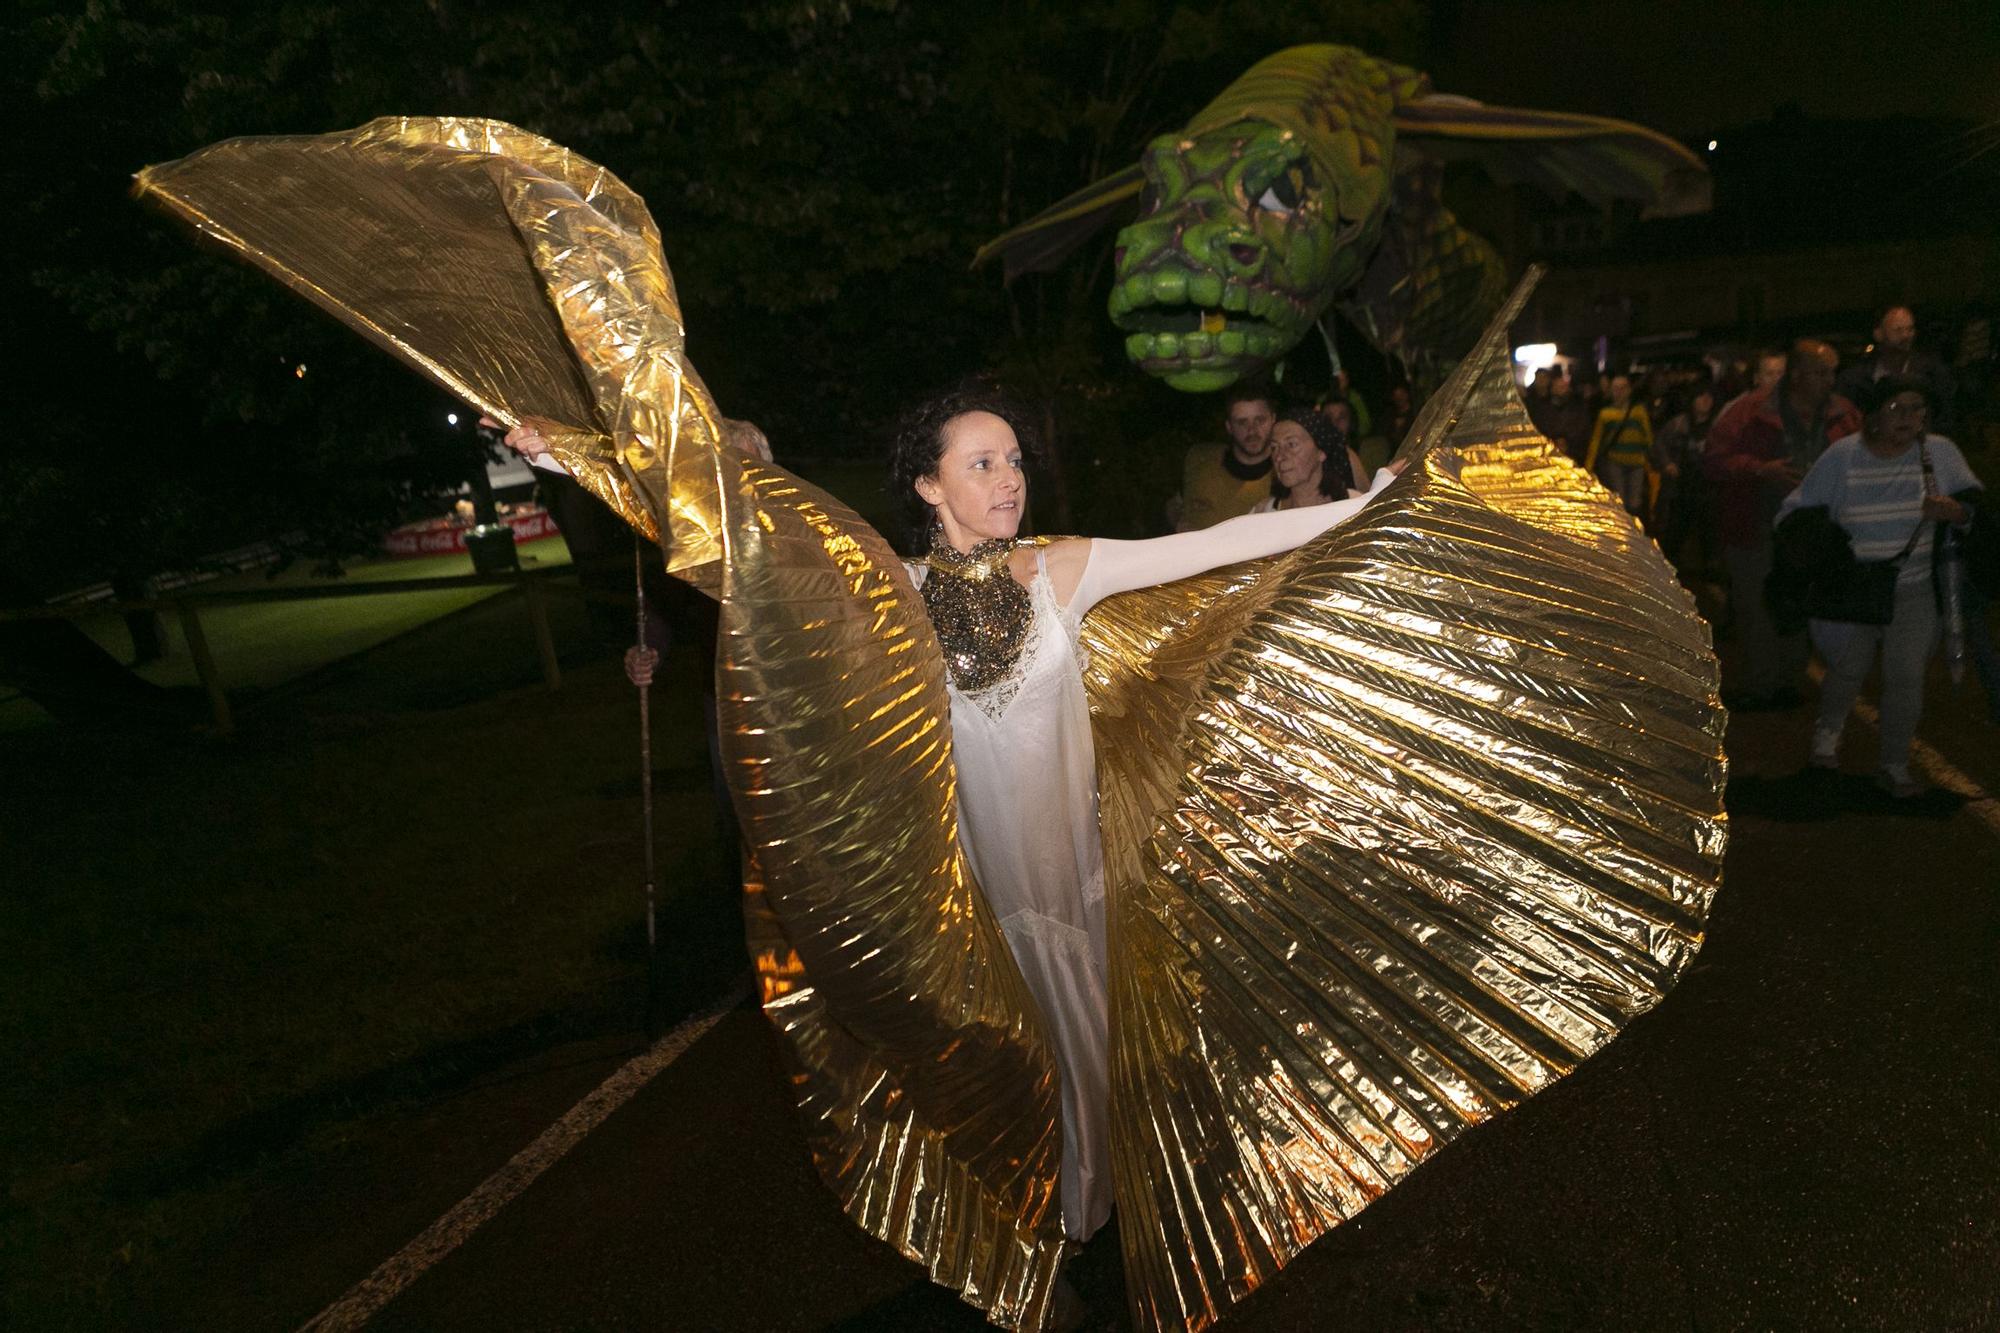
1402,415
1891,488
1679,510
1311,463
1620,445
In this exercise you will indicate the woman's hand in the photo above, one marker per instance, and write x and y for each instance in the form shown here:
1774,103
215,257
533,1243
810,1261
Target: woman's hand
525,439
639,665
1944,509
1779,471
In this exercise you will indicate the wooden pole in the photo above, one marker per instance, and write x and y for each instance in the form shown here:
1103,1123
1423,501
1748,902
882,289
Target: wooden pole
639,549
538,616
204,665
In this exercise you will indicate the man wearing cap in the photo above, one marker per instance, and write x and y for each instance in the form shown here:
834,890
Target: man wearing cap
1761,446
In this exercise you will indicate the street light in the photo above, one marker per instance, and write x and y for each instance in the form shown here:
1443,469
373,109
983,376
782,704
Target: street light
1531,357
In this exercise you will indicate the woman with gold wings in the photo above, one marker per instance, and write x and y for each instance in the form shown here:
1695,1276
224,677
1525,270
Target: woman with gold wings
1395,827
1007,614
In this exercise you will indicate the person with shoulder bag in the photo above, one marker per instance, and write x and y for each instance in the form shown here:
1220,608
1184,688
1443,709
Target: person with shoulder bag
1893,491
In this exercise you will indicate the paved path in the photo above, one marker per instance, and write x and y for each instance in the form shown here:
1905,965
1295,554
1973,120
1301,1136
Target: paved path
1806,1134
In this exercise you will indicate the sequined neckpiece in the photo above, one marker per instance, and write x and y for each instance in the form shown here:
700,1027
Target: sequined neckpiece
979,609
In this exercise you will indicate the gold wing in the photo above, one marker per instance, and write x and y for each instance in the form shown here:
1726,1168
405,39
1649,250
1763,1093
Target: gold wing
1041,243
1601,159
1398,830
530,281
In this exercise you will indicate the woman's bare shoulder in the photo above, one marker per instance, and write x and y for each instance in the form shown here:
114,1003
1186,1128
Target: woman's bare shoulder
1064,558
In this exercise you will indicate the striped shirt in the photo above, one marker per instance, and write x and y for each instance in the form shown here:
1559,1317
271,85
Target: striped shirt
1622,435
1878,502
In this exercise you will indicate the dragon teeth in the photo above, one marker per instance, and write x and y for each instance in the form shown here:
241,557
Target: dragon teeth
1235,297
1188,348
1170,286
1205,289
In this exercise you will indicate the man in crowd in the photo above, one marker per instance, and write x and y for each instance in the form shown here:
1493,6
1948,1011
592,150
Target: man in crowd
1401,414
1896,355
1536,395
1223,481
1357,406
1761,446
1770,369
1558,415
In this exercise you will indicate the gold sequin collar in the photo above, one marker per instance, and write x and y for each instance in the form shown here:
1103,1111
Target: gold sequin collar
979,609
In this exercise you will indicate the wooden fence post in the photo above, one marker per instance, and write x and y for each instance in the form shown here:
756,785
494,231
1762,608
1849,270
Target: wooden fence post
204,665
538,615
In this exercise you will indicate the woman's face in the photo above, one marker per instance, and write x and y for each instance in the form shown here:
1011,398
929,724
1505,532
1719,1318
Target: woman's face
1342,417
1901,420
1296,459
979,489
1621,391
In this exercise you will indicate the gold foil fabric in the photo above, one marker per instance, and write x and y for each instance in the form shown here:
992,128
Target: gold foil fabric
530,281
513,272
1398,828
926,1086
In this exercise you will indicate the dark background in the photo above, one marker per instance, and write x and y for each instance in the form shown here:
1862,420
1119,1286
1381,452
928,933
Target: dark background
821,174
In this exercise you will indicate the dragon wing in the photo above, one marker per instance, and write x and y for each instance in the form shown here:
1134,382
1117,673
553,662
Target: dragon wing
1600,159
1398,829
1041,243
529,280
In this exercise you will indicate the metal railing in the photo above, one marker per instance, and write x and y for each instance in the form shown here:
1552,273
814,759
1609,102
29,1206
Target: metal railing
187,608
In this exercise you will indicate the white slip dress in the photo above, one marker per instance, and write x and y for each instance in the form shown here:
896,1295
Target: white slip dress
1027,821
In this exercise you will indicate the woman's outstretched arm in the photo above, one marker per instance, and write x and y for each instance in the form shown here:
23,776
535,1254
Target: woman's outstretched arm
1115,566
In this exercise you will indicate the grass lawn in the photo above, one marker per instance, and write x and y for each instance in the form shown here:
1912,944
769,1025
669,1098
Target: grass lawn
263,645
222,955
413,862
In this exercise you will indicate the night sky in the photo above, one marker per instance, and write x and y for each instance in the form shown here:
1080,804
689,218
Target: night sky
1692,68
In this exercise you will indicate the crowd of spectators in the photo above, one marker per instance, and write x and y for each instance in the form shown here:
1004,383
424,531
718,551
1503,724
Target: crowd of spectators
1709,459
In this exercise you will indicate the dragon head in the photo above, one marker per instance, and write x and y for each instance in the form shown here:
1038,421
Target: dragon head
1239,248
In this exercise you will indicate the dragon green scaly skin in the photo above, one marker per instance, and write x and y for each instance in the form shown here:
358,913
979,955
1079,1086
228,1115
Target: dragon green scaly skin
1314,181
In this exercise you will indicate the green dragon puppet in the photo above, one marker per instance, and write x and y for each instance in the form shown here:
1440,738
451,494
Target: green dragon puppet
1315,180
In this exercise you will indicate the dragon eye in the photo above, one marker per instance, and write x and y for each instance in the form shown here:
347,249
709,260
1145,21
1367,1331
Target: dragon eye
1287,192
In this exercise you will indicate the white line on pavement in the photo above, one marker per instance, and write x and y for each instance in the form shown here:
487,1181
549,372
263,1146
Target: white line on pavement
446,1234
1934,765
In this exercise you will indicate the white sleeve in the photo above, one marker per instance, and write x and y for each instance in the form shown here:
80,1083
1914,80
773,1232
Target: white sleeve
1954,474
1115,566
547,463
1822,484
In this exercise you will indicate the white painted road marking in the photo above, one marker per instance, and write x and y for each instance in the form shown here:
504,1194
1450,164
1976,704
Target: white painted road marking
446,1234
1933,765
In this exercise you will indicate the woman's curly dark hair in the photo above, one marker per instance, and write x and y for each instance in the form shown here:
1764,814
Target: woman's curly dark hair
1338,475
919,442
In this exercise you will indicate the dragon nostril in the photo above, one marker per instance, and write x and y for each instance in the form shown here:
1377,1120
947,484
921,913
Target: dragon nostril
1244,255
